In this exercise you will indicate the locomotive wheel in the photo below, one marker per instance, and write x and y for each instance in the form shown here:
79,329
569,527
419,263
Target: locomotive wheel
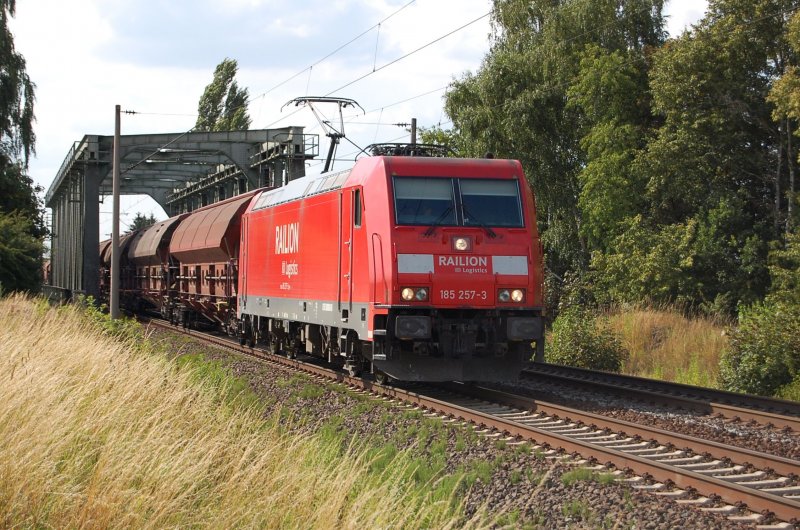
354,367
382,378
289,352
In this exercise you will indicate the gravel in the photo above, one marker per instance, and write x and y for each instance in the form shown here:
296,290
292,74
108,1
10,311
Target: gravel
516,479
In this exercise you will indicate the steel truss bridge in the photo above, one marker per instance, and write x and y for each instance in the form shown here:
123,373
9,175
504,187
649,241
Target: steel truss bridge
180,171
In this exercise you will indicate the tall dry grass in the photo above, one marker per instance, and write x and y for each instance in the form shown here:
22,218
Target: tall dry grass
665,344
95,435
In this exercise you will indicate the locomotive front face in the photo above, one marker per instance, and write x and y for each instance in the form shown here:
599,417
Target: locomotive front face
467,276
471,248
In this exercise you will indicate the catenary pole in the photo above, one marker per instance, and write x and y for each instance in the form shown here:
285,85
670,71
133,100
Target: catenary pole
114,294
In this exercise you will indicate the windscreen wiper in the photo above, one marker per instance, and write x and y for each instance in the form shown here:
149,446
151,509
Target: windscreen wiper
431,229
491,233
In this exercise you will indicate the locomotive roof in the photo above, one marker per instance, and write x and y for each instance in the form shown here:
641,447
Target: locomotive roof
302,187
314,184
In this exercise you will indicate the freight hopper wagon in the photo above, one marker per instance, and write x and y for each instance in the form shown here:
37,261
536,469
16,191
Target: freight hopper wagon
204,248
156,271
416,268
127,271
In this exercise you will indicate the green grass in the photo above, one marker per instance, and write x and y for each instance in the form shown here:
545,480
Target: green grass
579,510
582,474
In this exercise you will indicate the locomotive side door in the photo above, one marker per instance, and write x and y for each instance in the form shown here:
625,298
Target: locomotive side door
345,247
243,262
349,220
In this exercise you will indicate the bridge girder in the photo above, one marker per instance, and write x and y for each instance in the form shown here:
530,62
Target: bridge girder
162,166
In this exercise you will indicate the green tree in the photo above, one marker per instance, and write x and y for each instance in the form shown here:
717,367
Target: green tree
717,161
223,105
438,136
21,216
764,350
19,194
518,104
16,93
20,254
609,91
718,139
784,271
785,96
712,261
141,221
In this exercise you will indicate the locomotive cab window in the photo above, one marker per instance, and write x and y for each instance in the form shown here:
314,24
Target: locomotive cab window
490,203
457,202
424,201
357,208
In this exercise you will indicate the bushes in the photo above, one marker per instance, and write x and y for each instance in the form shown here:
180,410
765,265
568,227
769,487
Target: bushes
580,340
764,351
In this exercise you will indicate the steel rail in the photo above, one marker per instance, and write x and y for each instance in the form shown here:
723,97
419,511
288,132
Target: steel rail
726,404
739,455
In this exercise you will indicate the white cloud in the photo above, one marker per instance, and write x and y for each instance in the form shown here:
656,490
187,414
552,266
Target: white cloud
682,14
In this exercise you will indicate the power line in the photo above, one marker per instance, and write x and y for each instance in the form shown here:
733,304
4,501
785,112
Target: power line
434,41
334,52
460,28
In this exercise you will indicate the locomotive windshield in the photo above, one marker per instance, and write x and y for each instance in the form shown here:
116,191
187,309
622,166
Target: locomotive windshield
424,201
457,202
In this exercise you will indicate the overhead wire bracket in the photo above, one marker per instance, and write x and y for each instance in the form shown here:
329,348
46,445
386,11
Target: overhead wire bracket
330,131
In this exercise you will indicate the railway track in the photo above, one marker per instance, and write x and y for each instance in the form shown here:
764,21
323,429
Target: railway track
764,482
778,413
752,486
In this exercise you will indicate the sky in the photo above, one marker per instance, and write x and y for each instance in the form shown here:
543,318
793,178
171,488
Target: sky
156,58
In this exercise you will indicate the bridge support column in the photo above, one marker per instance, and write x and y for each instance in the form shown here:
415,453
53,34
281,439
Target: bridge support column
90,208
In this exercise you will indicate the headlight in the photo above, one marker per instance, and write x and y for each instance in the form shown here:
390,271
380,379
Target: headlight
420,294
504,295
461,243
518,295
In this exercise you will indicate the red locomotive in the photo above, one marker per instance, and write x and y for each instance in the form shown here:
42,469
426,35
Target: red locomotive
414,268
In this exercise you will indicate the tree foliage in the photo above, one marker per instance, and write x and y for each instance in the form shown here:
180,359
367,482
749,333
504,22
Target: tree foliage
141,221
16,93
223,105
663,168
580,340
22,226
763,356
20,254
523,103
19,194
764,350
